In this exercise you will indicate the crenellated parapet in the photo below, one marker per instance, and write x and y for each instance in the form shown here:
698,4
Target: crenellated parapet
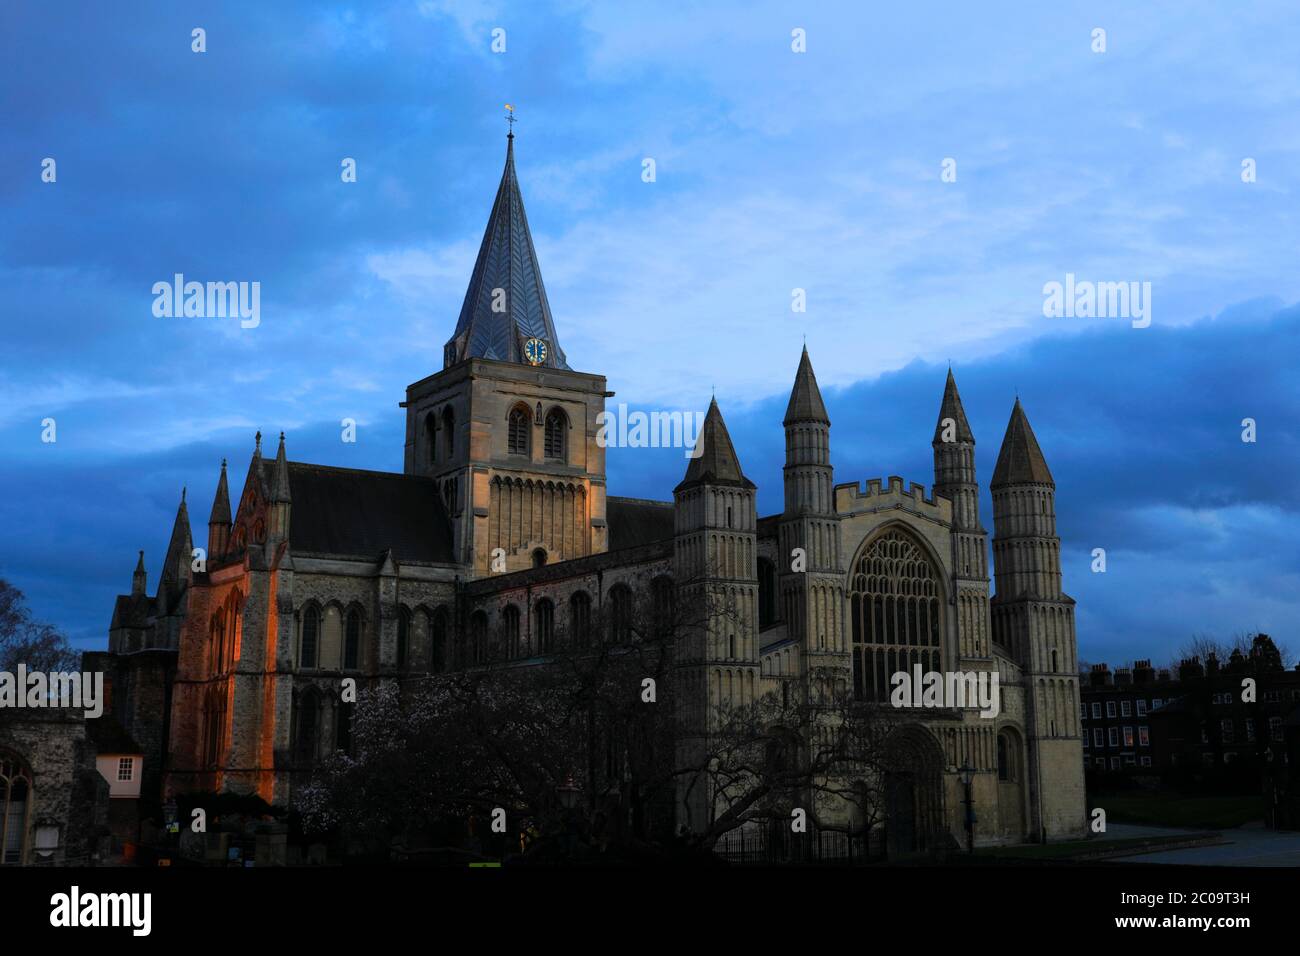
852,498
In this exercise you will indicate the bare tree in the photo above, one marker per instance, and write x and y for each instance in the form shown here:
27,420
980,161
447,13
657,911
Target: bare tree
587,742
23,640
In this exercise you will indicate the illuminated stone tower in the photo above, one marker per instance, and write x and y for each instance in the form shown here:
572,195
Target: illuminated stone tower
507,429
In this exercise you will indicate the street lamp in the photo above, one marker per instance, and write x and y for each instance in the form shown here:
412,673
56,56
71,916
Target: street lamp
568,793
966,774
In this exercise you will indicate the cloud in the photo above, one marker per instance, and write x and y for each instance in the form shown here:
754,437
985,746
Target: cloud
776,171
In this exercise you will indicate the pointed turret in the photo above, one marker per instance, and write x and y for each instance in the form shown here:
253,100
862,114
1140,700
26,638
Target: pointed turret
811,596
280,483
256,477
805,398
505,307
280,497
219,519
954,463
714,460
954,479
140,578
951,411
1021,461
1026,550
176,566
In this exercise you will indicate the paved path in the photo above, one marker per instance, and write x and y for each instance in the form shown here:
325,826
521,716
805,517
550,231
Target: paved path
1250,846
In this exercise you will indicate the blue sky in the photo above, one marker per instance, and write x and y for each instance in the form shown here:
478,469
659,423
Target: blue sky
775,170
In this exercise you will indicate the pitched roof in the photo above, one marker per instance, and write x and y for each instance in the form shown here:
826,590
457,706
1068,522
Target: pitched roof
635,521
132,610
345,511
805,398
717,463
110,737
951,407
506,261
1020,461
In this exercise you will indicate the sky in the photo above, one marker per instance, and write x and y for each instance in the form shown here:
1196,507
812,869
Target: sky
921,173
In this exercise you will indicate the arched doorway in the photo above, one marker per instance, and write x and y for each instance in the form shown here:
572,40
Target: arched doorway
912,792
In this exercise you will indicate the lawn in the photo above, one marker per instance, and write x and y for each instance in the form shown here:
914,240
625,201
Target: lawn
1162,808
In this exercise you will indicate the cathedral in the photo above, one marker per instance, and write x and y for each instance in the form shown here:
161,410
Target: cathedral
500,523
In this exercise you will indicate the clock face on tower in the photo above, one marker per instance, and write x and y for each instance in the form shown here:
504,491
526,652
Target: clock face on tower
535,351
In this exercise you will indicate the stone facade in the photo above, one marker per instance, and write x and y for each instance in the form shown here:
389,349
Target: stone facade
501,523
53,789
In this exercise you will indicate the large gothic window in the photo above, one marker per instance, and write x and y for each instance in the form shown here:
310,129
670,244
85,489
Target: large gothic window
478,637
448,433
214,726
310,634
663,605
545,626
352,641
894,596
403,637
431,436
519,429
580,618
510,630
438,641
555,433
620,614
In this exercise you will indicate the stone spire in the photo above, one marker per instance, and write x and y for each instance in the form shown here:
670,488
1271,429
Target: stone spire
139,579
256,477
954,462
1021,461
805,398
716,463
221,500
951,408
176,566
219,519
280,498
280,484
505,304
